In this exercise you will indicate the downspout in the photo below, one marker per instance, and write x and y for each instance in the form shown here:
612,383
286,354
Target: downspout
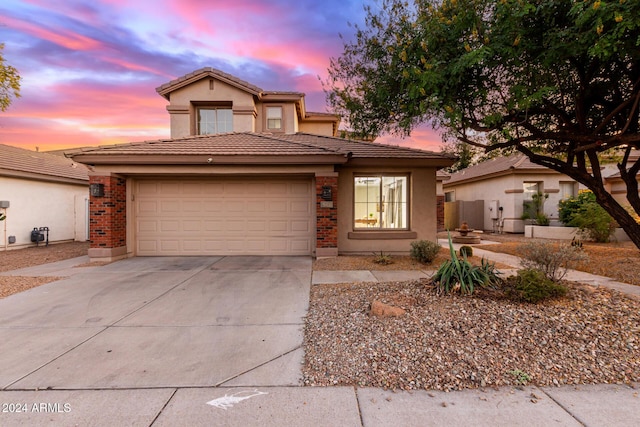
6,240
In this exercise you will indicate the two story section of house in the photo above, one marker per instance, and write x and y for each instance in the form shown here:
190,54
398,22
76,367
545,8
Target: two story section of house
251,172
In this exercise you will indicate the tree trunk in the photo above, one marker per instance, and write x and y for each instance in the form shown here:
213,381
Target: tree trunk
617,212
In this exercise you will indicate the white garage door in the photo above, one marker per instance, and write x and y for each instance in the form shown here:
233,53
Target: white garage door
224,217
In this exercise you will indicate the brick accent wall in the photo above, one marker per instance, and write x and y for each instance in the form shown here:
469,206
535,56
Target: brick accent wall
326,218
440,212
108,214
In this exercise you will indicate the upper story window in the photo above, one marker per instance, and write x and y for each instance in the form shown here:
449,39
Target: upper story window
274,119
381,202
214,120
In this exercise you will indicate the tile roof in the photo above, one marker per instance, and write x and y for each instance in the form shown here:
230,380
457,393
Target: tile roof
15,161
495,166
263,144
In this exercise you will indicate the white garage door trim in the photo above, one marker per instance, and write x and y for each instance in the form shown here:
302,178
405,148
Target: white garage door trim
224,216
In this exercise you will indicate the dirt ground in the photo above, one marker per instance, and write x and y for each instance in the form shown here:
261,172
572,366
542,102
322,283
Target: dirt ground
29,257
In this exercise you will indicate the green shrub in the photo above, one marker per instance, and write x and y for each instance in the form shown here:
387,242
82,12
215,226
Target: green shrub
424,251
585,213
466,251
532,286
553,260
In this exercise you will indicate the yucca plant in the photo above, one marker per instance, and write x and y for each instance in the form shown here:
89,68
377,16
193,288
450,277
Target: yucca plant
459,275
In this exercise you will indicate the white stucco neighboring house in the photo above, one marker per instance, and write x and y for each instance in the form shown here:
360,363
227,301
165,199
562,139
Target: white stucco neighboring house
491,194
41,190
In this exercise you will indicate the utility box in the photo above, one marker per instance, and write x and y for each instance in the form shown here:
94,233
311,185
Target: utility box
493,209
4,204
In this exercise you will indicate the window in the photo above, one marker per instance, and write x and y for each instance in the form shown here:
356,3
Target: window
214,120
274,118
530,188
380,202
567,189
449,196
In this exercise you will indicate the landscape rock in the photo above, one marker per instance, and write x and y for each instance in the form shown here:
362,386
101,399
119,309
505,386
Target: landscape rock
380,309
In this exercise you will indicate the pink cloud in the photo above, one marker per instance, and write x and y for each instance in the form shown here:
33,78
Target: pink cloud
64,38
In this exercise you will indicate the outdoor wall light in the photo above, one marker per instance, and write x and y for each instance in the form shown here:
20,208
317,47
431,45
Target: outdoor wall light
96,190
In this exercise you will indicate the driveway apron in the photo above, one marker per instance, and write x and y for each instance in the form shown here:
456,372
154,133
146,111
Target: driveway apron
159,322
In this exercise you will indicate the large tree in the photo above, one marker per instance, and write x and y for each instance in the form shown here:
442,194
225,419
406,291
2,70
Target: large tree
9,82
558,80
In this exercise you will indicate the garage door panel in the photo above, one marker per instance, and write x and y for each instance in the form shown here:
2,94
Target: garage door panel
218,217
169,188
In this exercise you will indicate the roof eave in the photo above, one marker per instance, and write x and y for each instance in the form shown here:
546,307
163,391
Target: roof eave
200,159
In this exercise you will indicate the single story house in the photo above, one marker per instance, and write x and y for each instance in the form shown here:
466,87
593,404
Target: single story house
41,190
251,172
492,195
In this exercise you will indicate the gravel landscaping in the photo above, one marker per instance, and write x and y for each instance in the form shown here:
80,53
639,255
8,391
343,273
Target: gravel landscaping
29,257
455,342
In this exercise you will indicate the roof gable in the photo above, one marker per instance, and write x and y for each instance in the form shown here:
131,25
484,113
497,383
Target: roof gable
207,72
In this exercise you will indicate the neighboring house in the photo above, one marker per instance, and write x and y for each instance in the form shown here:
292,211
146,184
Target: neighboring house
251,172
614,183
41,190
491,195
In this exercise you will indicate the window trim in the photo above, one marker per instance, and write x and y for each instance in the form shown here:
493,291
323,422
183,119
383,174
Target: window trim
208,105
407,202
266,118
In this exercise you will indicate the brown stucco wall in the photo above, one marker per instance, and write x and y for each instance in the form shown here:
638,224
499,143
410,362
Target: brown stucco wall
422,214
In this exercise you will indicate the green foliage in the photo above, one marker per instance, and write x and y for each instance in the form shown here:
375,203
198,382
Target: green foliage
532,286
424,251
585,213
9,82
466,251
534,209
521,377
555,80
458,275
552,260
382,258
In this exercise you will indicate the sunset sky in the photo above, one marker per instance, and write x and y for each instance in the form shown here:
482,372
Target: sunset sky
89,69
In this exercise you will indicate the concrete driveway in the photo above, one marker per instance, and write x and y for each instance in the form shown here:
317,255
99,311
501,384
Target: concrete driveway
159,322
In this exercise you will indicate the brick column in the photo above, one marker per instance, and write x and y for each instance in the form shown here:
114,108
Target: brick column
108,218
440,212
326,215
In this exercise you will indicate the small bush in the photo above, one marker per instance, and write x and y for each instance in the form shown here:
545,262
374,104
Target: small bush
466,251
382,258
552,260
532,286
585,213
424,251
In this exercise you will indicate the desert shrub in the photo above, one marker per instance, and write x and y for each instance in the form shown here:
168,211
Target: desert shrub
459,275
382,258
532,286
466,251
585,213
424,251
552,260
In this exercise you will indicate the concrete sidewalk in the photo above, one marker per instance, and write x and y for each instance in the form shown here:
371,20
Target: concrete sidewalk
155,341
